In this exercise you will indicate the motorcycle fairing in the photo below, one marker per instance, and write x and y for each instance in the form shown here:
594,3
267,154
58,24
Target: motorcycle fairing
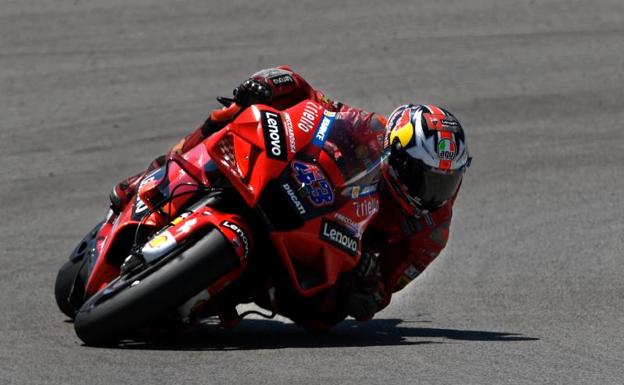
189,224
314,266
179,175
323,245
327,242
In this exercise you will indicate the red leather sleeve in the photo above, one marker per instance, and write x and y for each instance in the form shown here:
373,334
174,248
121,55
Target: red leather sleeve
288,87
420,251
412,244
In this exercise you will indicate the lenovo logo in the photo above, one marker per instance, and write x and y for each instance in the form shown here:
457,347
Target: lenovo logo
339,236
274,139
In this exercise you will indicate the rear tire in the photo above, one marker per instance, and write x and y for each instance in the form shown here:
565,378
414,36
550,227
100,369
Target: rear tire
104,320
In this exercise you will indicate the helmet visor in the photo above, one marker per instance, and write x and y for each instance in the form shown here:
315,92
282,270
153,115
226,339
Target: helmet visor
428,186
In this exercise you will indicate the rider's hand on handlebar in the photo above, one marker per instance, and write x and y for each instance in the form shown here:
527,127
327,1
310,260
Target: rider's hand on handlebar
252,91
367,292
367,269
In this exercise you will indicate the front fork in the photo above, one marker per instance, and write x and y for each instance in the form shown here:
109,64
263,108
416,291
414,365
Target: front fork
235,230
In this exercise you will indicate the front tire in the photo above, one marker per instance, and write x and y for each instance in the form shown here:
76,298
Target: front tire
72,276
105,318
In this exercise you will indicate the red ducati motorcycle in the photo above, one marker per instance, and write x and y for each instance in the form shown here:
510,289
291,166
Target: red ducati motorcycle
274,199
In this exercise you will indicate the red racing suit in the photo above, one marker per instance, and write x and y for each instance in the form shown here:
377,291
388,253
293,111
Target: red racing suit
409,243
288,88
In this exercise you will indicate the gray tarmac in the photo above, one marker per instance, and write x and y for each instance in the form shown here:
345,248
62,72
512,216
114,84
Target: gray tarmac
529,289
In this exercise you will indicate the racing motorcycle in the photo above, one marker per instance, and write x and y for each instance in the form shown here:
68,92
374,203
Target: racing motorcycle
275,193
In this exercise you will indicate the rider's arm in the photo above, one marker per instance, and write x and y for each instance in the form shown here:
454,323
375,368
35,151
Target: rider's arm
279,87
405,252
419,249
218,119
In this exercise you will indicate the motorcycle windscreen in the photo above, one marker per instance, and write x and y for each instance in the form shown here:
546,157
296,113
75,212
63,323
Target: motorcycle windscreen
356,147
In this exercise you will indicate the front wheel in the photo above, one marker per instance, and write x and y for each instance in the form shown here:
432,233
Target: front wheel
131,301
72,277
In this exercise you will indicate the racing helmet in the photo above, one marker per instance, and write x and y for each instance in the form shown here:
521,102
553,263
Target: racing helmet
425,156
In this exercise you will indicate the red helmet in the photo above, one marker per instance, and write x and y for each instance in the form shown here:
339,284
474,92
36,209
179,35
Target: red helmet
426,156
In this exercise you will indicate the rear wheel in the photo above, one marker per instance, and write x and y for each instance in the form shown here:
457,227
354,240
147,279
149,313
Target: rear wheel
131,301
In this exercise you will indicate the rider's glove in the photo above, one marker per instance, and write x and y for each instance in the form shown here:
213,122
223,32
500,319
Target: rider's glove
367,291
367,269
252,91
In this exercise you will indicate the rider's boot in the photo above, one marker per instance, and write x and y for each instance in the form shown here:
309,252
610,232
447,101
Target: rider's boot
123,192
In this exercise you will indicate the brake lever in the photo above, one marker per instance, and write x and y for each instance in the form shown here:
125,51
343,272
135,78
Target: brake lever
226,102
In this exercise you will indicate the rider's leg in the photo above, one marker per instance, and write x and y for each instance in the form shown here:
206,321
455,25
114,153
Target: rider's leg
123,192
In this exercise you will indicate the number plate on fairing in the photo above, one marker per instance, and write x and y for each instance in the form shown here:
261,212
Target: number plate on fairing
319,190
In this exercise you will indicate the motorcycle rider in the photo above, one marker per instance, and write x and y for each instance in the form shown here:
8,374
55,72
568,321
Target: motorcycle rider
424,161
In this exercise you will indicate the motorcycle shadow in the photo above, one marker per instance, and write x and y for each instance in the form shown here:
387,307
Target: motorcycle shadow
258,334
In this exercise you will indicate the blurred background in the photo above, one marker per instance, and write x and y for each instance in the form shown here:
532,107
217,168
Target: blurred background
529,289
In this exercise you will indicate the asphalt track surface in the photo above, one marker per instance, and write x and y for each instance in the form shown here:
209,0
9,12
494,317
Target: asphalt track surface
529,289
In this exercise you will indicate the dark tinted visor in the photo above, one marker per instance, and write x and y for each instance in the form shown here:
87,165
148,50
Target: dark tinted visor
431,187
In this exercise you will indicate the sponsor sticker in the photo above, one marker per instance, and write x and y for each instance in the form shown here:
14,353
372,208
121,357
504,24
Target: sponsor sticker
402,282
158,246
408,276
282,80
187,226
339,236
366,207
441,123
345,220
450,123
309,116
447,149
294,199
323,129
241,234
159,241
274,139
291,133
180,218
360,191
434,122
411,272
319,190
